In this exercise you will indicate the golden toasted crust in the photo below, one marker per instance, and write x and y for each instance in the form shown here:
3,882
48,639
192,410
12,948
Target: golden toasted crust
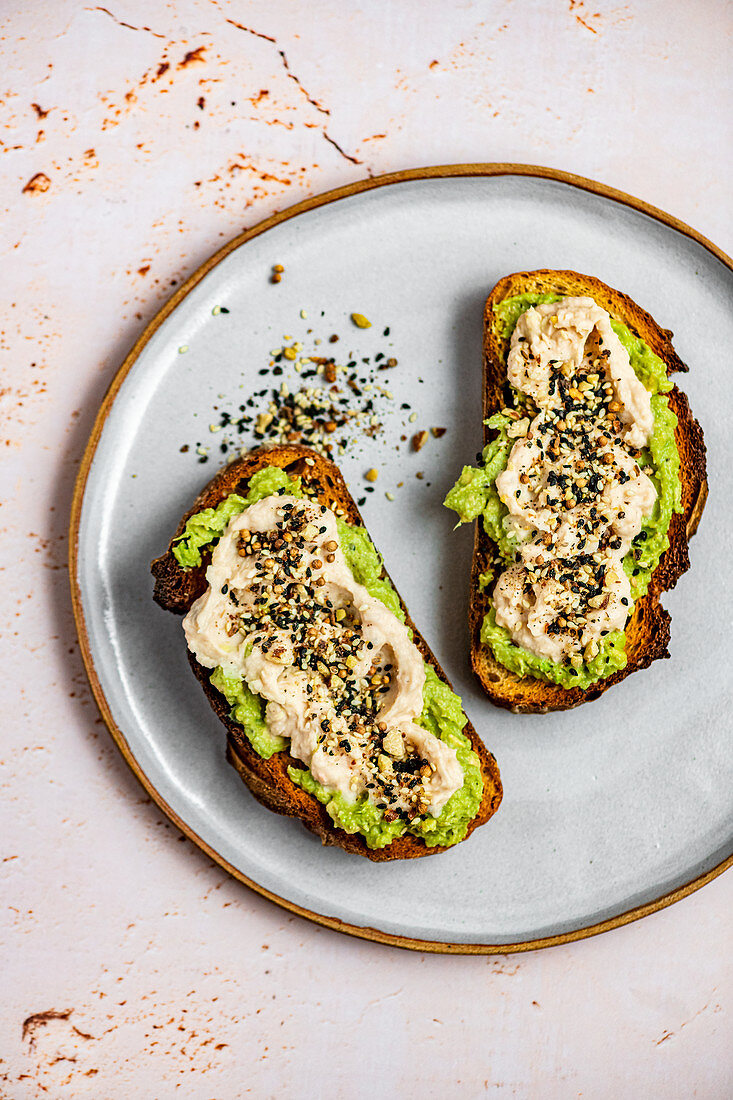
648,630
177,588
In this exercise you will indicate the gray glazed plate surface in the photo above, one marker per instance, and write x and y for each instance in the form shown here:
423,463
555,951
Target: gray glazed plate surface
606,808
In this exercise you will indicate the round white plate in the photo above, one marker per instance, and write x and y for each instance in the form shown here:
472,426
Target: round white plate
610,810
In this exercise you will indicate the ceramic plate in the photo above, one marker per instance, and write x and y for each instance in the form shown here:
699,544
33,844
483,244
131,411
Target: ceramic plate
611,810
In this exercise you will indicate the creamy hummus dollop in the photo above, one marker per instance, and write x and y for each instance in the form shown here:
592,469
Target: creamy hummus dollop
574,487
574,332
342,678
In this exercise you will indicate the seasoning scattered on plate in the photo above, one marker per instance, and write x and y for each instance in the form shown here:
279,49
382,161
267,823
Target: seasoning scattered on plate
325,401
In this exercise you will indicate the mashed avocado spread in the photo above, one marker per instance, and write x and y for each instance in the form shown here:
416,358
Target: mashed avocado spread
442,714
475,494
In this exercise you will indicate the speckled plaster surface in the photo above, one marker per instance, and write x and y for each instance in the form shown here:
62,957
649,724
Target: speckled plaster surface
135,139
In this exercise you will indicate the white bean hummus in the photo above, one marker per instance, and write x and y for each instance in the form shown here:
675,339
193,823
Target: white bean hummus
342,679
574,488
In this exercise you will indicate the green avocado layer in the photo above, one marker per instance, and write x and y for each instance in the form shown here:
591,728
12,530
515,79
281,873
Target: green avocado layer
442,713
205,526
475,494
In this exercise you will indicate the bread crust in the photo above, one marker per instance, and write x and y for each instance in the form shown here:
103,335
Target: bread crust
648,629
268,780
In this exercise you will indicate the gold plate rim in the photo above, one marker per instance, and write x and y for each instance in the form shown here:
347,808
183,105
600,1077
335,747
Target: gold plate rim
445,171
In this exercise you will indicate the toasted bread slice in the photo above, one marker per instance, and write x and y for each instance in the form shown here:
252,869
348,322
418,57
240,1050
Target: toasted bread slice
177,588
648,629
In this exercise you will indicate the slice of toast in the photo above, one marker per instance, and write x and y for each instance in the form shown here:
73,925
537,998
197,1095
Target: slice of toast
648,629
177,588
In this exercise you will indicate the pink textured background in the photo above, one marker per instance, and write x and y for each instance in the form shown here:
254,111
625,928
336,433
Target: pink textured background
131,966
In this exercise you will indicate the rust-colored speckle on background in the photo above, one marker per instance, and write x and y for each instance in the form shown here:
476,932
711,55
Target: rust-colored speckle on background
37,184
577,8
39,1019
192,57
